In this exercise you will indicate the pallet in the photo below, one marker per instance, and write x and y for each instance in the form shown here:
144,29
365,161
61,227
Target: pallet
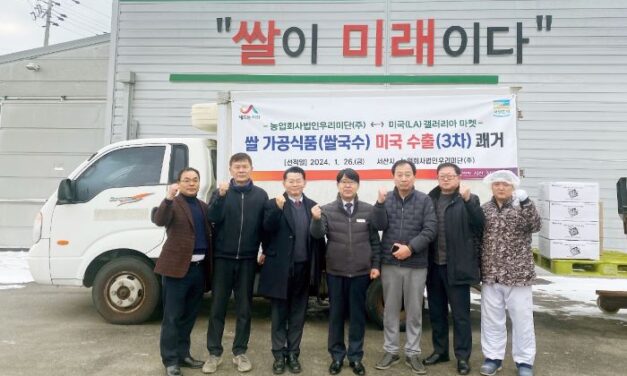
612,264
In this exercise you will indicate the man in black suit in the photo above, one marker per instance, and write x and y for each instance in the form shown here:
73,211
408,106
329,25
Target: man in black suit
287,267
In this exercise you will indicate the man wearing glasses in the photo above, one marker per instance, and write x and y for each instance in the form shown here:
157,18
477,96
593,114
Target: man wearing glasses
453,265
184,266
352,260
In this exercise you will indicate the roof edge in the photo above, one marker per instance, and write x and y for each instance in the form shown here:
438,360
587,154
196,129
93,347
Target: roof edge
40,51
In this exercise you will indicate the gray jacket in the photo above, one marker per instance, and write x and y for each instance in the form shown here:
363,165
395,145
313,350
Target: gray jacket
353,246
411,221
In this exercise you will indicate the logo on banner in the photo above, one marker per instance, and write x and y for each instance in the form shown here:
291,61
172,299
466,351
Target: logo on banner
501,108
249,112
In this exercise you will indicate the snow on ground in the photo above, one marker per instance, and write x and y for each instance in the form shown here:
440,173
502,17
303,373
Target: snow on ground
566,296
14,270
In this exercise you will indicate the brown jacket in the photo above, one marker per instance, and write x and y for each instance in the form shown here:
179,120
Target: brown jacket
176,253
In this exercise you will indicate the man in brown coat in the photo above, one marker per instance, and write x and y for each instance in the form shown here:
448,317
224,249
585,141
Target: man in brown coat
184,265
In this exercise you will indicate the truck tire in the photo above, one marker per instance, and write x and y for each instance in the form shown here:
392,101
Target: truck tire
375,304
126,291
606,306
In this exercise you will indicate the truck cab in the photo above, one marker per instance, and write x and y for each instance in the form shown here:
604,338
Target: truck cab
95,230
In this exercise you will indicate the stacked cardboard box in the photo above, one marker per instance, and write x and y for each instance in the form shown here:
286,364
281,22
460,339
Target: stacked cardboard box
570,220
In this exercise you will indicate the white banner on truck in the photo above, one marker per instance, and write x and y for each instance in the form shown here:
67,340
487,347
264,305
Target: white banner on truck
323,134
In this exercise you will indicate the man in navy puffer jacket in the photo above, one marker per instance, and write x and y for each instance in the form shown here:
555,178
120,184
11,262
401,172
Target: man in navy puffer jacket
408,221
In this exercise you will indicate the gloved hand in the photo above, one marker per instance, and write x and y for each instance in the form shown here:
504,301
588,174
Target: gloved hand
521,195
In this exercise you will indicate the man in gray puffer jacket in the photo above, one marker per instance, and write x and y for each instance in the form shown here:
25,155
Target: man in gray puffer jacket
408,221
352,259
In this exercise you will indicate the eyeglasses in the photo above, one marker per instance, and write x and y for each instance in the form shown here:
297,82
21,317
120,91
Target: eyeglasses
447,177
189,181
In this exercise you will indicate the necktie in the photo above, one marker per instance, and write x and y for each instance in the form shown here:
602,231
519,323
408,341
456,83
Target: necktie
349,207
297,203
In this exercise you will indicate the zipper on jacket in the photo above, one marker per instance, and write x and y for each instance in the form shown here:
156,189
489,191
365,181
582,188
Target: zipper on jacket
400,235
241,228
350,240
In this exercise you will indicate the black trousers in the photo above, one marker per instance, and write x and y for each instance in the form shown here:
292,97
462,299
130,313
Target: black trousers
347,298
288,315
441,294
182,298
237,276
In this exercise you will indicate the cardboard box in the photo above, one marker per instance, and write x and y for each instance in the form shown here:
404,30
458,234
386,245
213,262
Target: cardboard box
569,210
570,230
569,191
569,249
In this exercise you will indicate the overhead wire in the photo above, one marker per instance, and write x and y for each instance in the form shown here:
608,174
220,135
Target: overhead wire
73,11
78,24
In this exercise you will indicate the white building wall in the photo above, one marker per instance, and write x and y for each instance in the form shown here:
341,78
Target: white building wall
50,121
573,77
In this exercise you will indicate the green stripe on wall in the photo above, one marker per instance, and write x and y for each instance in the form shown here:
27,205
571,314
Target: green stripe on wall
334,79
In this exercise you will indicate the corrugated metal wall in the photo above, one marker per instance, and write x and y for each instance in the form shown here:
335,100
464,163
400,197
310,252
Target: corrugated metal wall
573,98
50,121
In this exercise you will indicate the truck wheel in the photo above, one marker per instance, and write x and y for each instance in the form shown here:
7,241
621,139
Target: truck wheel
375,304
126,291
606,306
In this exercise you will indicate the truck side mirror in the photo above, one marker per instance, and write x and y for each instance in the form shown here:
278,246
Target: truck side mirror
65,193
621,196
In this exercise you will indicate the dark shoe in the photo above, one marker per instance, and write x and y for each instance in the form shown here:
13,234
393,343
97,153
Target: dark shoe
463,368
435,358
278,367
335,367
173,371
190,362
293,364
387,361
358,367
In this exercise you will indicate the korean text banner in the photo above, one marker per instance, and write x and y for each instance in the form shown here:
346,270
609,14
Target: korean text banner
325,134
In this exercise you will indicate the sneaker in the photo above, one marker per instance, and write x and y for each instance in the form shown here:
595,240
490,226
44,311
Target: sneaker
243,363
524,369
415,364
211,365
387,361
490,367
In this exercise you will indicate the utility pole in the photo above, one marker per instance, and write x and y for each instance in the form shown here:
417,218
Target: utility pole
48,14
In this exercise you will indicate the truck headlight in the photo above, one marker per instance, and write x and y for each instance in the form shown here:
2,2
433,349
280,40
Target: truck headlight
37,227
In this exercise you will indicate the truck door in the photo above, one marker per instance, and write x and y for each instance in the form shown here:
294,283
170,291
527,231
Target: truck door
114,197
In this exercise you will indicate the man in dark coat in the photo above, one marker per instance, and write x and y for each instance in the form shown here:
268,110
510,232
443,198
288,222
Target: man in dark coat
236,208
408,221
453,265
287,264
184,264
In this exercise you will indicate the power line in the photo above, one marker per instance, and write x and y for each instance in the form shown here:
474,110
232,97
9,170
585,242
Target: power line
72,31
86,16
95,10
67,13
79,24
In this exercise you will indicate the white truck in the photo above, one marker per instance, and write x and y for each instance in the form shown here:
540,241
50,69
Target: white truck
95,230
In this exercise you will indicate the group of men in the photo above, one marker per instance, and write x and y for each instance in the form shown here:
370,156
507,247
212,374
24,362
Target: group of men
443,240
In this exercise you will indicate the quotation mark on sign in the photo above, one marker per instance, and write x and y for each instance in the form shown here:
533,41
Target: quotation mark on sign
539,21
227,24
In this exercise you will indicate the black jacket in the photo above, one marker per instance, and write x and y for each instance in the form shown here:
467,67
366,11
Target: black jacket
238,218
411,221
463,223
279,225
353,245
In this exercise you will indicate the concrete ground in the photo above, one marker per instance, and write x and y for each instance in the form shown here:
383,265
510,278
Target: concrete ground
53,331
